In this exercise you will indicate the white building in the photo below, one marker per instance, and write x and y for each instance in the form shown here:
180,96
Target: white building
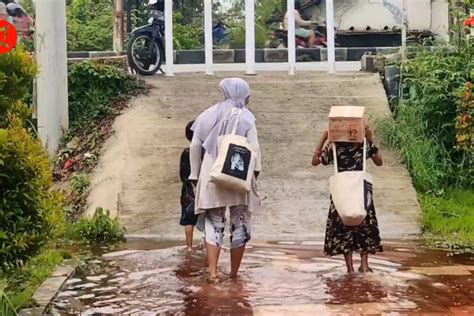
361,15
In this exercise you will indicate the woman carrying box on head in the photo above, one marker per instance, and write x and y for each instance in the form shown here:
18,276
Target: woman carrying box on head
340,238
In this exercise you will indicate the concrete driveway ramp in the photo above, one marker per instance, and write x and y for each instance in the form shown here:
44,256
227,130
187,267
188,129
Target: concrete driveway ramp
138,174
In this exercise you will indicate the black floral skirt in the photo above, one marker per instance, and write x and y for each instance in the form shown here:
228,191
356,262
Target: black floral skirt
342,239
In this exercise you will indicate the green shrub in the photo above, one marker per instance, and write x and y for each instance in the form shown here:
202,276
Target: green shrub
430,84
30,213
424,126
80,183
17,70
92,88
264,10
90,25
237,35
186,36
100,228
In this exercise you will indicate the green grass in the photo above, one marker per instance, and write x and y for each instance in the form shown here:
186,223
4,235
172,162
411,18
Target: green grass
426,159
21,283
450,217
6,307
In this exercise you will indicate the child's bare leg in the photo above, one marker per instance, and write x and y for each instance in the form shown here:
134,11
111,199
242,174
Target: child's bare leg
349,262
189,230
364,263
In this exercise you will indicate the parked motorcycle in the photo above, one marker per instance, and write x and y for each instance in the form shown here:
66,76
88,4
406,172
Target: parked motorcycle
219,34
145,50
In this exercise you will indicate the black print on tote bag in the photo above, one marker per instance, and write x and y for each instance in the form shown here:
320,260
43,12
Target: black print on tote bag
237,162
368,195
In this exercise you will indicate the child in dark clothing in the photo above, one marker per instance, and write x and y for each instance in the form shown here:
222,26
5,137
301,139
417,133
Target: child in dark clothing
188,218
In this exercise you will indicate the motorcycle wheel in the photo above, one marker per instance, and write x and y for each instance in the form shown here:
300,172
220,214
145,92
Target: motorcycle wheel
139,56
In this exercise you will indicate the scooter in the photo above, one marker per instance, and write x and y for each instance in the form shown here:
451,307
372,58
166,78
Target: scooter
145,52
280,35
301,42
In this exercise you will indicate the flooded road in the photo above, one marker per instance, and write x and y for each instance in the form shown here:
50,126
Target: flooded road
282,278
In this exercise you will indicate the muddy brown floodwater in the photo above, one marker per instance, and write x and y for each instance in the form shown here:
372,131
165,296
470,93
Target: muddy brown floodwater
282,278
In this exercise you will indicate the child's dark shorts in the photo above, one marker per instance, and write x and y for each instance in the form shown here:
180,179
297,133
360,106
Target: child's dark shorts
187,213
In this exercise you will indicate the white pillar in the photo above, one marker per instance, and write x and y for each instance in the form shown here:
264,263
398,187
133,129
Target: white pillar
208,47
331,49
169,37
291,38
404,29
250,37
51,55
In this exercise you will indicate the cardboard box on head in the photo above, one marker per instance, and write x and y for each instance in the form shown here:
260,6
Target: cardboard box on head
346,124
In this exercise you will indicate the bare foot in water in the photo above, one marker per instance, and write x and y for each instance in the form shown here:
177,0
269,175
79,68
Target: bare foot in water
365,270
212,279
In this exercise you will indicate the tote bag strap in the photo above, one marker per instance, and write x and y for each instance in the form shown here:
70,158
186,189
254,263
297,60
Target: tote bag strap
234,130
336,169
364,157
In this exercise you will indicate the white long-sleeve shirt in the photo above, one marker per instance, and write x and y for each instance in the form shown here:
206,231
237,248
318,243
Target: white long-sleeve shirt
299,22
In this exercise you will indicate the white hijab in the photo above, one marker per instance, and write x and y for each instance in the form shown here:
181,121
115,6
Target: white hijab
218,120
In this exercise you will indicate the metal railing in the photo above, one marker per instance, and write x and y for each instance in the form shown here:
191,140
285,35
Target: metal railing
249,37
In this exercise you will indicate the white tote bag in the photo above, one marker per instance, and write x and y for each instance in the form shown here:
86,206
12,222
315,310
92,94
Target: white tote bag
351,192
235,163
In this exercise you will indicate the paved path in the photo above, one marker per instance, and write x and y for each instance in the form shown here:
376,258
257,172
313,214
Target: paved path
138,174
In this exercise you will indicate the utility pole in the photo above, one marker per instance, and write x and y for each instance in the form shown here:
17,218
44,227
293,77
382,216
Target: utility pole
51,56
118,26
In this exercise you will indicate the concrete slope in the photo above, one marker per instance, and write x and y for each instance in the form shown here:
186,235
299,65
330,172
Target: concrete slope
138,174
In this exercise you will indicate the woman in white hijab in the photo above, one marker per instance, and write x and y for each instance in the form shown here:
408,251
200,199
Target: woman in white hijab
213,199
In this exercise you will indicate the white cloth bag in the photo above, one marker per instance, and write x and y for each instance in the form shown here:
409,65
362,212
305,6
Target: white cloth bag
351,191
235,163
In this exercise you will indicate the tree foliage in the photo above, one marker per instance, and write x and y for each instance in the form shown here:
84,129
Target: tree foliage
90,25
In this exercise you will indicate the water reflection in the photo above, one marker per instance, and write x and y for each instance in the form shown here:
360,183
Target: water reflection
354,289
228,297
276,278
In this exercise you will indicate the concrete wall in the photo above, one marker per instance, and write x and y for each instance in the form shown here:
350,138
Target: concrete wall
440,18
379,14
